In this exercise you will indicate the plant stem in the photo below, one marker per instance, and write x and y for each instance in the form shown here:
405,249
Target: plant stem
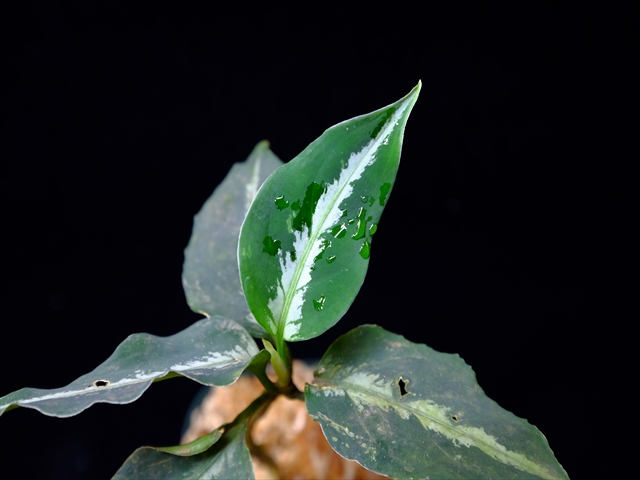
257,367
281,364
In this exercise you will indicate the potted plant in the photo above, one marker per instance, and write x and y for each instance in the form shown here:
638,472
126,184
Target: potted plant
279,253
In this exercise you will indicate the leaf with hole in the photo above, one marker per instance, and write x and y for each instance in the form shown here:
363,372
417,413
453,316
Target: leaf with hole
212,351
406,411
305,244
210,272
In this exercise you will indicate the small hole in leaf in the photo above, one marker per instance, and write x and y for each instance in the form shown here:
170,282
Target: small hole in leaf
101,383
403,387
455,418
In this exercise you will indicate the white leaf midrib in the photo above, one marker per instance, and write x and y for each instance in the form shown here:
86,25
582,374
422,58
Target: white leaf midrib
346,386
365,155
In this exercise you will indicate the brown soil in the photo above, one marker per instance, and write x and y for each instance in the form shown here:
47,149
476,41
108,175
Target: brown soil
286,434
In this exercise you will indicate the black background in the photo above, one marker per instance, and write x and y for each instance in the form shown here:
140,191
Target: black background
505,238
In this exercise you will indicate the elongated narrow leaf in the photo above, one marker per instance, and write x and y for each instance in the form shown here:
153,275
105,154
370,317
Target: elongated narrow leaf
304,246
210,271
212,351
216,455
199,445
404,410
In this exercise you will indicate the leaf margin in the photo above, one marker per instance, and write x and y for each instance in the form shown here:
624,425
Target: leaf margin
343,395
202,372
263,296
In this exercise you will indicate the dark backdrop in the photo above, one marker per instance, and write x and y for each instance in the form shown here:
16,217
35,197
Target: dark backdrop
504,239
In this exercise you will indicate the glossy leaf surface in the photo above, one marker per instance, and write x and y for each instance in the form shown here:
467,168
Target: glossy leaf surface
212,351
305,244
210,272
406,411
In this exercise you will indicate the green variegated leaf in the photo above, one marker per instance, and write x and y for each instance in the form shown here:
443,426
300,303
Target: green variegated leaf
210,271
221,454
406,411
212,351
305,244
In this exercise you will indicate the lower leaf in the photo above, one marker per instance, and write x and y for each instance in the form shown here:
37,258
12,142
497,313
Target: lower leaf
227,458
212,351
216,455
406,411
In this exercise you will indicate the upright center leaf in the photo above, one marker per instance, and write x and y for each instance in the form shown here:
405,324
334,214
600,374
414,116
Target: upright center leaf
305,243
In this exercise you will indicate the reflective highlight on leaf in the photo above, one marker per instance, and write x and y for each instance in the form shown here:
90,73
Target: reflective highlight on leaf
319,304
212,351
372,384
365,249
281,203
361,227
344,169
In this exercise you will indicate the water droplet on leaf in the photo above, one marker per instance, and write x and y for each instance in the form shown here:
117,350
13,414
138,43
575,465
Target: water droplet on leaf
361,228
339,231
384,192
323,246
271,246
319,304
365,249
281,203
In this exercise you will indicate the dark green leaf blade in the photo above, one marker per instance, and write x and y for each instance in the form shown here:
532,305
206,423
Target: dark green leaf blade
404,410
212,351
305,244
210,272
222,453
228,458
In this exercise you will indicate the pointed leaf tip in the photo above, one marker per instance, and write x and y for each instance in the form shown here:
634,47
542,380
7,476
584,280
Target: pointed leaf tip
212,351
306,241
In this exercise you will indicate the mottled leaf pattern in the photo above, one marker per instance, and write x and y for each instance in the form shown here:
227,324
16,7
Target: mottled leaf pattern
212,351
305,244
404,410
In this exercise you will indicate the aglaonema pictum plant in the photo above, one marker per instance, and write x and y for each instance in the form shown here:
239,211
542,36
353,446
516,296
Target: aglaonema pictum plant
279,252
